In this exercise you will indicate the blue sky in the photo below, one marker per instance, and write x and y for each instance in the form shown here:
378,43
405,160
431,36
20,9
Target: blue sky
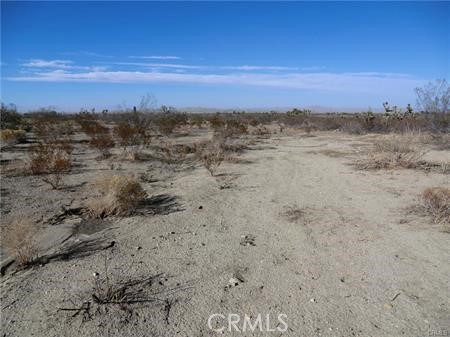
215,54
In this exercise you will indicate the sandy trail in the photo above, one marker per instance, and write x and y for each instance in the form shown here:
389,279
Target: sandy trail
356,261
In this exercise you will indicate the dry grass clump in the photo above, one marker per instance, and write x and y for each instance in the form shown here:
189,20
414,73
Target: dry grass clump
118,195
18,239
436,201
392,153
9,136
211,155
293,213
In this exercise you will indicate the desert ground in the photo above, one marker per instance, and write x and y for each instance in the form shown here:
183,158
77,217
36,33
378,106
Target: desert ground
288,225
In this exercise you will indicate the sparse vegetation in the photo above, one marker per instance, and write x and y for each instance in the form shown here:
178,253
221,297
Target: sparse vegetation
18,239
51,160
116,195
392,153
434,97
10,137
436,201
9,117
211,156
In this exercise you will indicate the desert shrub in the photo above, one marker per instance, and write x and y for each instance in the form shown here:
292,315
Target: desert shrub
176,153
117,195
235,127
216,122
197,120
440,122
51,160
127,134
261,131
440,141
99,134
299,112
9,117
352,127
133,134
10,136
18,239
51,127
211,156
391,153
103,143
45,158
227,128
436,201
169,121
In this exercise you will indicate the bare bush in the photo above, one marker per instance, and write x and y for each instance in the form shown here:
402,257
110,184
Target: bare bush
18,239
117,195
99,134
133,134
10,137
211,156
434,97
436,201
51,160
169,121
391,153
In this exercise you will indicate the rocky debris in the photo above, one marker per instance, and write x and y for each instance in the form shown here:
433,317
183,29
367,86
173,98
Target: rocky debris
248,240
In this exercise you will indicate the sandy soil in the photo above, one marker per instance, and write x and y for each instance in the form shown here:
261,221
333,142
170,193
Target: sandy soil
297,231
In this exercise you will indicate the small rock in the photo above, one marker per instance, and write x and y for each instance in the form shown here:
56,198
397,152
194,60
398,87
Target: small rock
138,248
233,282
95,274
312,300
200,207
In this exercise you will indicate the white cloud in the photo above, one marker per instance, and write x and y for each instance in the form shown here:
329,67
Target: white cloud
37,63
209,67
159,65
264,68
86,53
352,82
59,64
156,57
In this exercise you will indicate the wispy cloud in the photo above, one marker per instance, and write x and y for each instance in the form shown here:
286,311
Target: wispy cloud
85,53
211,67
156,57
159,65
351,82
59,64
38,70
263,68
38,63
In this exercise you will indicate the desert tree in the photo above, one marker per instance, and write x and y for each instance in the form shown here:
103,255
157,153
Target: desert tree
434,97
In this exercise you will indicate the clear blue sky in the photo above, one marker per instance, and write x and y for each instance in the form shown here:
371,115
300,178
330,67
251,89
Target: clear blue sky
338,54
